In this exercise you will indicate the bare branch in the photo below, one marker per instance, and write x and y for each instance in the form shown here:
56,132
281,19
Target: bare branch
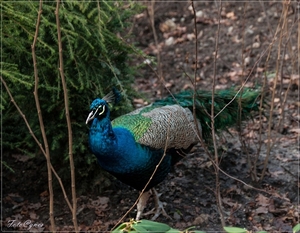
66,101
36,140
150,10
283,18
42,127
216,157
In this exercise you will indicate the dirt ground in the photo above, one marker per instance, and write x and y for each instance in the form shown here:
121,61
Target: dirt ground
245,35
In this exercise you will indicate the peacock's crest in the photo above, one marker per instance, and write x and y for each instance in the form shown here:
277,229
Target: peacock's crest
113,97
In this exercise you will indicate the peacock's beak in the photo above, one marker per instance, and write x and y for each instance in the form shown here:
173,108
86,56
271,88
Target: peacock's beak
90,117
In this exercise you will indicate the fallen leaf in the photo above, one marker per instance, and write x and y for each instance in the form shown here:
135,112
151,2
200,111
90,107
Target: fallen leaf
202,218
44,194
295,130
262,200
100,201
34,206
228,202
276,173
261,210
256,45
99,205
190,36
177,201
16,198
170,41
21,158
139,101
260,69
167,26
230,15
295,79
33,215
137,16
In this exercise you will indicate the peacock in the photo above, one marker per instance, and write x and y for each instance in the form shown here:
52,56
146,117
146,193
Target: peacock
131,146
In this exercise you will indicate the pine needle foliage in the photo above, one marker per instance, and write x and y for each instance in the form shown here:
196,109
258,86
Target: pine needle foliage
95,60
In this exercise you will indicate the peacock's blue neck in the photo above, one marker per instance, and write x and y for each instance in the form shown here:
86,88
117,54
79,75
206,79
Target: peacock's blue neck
115,148
102,138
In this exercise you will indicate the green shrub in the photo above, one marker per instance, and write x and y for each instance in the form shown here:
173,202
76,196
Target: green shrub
95,60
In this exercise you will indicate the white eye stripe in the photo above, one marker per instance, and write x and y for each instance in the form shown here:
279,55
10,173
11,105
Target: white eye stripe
90,117
100,113
93,114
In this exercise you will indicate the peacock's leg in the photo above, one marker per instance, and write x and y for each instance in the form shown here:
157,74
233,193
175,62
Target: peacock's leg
142,204
159,206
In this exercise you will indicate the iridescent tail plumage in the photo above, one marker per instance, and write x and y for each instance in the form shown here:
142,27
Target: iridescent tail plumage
231,106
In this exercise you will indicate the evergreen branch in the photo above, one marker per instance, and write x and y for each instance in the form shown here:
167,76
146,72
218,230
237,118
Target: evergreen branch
98,55
35,138
22,115
11,71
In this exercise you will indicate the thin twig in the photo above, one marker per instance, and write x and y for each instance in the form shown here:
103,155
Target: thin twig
253,173
244,183
152,22
265,81
270,122
246,80
42,127
284,99
194,82
262,3
23,116
66,101
36,140
216,157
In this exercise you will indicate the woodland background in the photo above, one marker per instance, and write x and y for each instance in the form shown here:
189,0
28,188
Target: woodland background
58,56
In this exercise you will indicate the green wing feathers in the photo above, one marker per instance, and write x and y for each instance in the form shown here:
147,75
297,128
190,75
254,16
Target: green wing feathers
136,123
170,126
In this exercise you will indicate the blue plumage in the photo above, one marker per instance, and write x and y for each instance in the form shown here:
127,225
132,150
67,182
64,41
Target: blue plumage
131,146
118,152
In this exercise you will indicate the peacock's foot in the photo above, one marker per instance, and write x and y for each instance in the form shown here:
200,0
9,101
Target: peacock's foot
159,206
142,204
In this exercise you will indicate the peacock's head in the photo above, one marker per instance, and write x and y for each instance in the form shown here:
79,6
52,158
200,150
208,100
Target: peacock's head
99,108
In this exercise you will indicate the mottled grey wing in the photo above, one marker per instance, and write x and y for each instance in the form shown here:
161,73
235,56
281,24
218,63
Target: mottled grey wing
172,126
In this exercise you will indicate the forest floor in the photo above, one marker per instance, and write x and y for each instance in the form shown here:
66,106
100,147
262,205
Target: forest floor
245,35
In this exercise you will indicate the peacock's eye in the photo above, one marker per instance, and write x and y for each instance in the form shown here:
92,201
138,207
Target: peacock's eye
96,111
101,109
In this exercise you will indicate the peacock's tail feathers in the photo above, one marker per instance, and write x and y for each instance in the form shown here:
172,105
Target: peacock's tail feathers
230,106
172,119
